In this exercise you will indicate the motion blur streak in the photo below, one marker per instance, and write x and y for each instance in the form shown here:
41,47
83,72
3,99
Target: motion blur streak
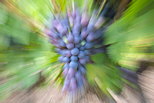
76,51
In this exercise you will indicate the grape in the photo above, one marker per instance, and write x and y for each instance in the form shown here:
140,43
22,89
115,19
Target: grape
77,36
77,40
73,64
77,45
65,71
66,66
66,59
74,14
74,58
62,44
88,45
98,34
78,75
65,22
75,51
55,22
59,27
82,48
73,84
99,22
76,29
70,38
70,45
58,51
71,72
82,69
71,20
66,85
87,58
84,20
61,58
64,31
78,19
84,34
83,61
81,54
91,24
53,34
90,37
68,53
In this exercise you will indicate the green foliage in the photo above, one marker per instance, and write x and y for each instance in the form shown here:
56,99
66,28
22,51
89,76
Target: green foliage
23,55
104,73
132,34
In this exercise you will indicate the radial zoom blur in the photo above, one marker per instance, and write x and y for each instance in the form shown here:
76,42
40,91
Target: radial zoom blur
76,51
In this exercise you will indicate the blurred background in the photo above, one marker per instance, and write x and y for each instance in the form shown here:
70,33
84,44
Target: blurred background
31,73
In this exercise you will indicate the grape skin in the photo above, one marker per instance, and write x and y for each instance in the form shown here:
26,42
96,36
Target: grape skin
73,64
75,51
76,37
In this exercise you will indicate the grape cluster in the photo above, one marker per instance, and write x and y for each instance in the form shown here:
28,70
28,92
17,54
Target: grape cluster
76,36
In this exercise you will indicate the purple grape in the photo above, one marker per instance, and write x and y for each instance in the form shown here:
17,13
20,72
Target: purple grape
65,22
73,84
58,50
59,27
76,29
66,66
53,34
78,17
83,61
76,36
73,64
66,53
90,27
66,59
99,22
78,75
84,34
70,38
77,40
61,58
74,58
87,58
82,69
71,20
66,85
65,71
75,51
81,54
88,45
71,73
62,44
90,37
70,45
74,14
55,22
84,20
98,33
82,48
77,45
